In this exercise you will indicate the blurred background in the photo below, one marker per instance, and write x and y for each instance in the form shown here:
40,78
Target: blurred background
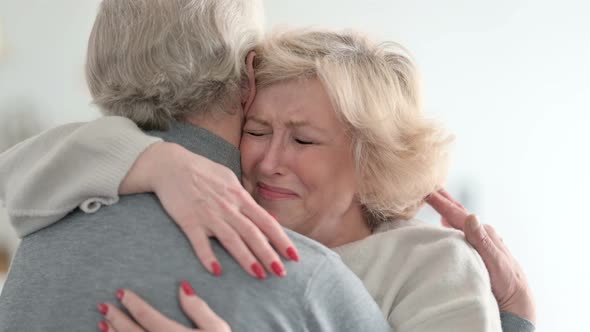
510,78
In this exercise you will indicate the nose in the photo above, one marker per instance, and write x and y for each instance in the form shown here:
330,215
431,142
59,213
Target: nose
273,159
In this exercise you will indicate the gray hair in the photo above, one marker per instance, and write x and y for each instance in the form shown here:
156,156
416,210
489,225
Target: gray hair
157,60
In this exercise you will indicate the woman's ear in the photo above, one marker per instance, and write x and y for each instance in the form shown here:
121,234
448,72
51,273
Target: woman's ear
249,86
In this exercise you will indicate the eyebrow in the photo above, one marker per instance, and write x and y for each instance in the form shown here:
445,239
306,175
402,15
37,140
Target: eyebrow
290,124
259,120
297,124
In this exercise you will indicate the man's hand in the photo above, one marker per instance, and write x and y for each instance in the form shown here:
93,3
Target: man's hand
509,283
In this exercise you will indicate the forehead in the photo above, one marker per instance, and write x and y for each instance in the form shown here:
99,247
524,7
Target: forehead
295,101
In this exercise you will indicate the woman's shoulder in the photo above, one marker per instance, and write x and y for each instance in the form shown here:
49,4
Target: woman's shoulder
412,237
444,250
415,252
418,271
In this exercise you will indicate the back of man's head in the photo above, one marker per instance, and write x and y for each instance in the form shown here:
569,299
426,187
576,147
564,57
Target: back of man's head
157,60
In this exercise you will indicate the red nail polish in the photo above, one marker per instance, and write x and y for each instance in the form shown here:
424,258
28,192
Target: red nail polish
103,326
120,294
187,288
258,271
292,253
216,269
273,215
277,268
103,309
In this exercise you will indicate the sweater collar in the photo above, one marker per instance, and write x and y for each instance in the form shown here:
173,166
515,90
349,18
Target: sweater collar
202,142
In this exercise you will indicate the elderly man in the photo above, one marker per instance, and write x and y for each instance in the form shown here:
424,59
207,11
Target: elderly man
181,68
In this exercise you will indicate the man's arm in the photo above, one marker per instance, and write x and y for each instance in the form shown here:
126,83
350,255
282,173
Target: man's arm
338,301
514,323
509,282
76,165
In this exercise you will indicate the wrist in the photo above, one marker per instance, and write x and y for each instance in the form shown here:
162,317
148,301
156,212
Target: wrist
144,175
524,308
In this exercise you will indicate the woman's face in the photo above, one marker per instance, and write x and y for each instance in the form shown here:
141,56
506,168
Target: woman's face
297,160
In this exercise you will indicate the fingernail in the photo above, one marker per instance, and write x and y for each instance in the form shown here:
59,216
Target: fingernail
103,308
258,271
476,229
216,269
278,269
293,255
120,294
272,215
103,326
187,288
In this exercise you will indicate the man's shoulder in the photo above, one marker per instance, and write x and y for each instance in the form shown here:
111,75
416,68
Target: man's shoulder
138,222
137,246
307,246
131,215
318,259
321,265
335,298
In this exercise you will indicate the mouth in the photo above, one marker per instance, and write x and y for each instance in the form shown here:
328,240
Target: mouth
274,193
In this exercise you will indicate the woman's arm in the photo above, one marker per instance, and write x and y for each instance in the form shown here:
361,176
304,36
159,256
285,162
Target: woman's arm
76,165
145,318
88,165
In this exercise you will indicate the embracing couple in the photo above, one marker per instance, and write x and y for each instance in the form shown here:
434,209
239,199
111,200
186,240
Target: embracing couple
248,183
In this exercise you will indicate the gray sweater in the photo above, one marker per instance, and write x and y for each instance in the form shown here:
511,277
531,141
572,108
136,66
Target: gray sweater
60,273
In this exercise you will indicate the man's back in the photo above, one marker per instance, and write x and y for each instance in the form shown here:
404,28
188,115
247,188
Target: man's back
60,273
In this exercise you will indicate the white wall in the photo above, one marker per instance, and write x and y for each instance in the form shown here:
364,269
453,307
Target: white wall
41,67
510,78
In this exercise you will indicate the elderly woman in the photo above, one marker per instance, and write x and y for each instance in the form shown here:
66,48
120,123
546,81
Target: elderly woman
336,146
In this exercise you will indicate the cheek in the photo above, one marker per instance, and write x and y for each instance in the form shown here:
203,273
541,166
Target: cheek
332,180
328,174
250,153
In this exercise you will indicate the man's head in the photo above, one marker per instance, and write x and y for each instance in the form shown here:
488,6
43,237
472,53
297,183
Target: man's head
157,60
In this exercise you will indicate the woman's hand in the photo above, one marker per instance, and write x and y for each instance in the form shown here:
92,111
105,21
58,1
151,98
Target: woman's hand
206,200
146,318
509,283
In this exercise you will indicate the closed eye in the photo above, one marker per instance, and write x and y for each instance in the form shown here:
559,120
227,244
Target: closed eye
303,142
255,134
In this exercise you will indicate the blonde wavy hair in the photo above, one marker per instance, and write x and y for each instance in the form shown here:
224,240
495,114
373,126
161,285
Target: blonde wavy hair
157,60
401,155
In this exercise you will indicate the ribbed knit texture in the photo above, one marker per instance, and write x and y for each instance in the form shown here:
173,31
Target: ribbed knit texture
31,171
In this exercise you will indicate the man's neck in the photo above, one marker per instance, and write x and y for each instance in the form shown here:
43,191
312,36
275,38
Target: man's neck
204,142
227,126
